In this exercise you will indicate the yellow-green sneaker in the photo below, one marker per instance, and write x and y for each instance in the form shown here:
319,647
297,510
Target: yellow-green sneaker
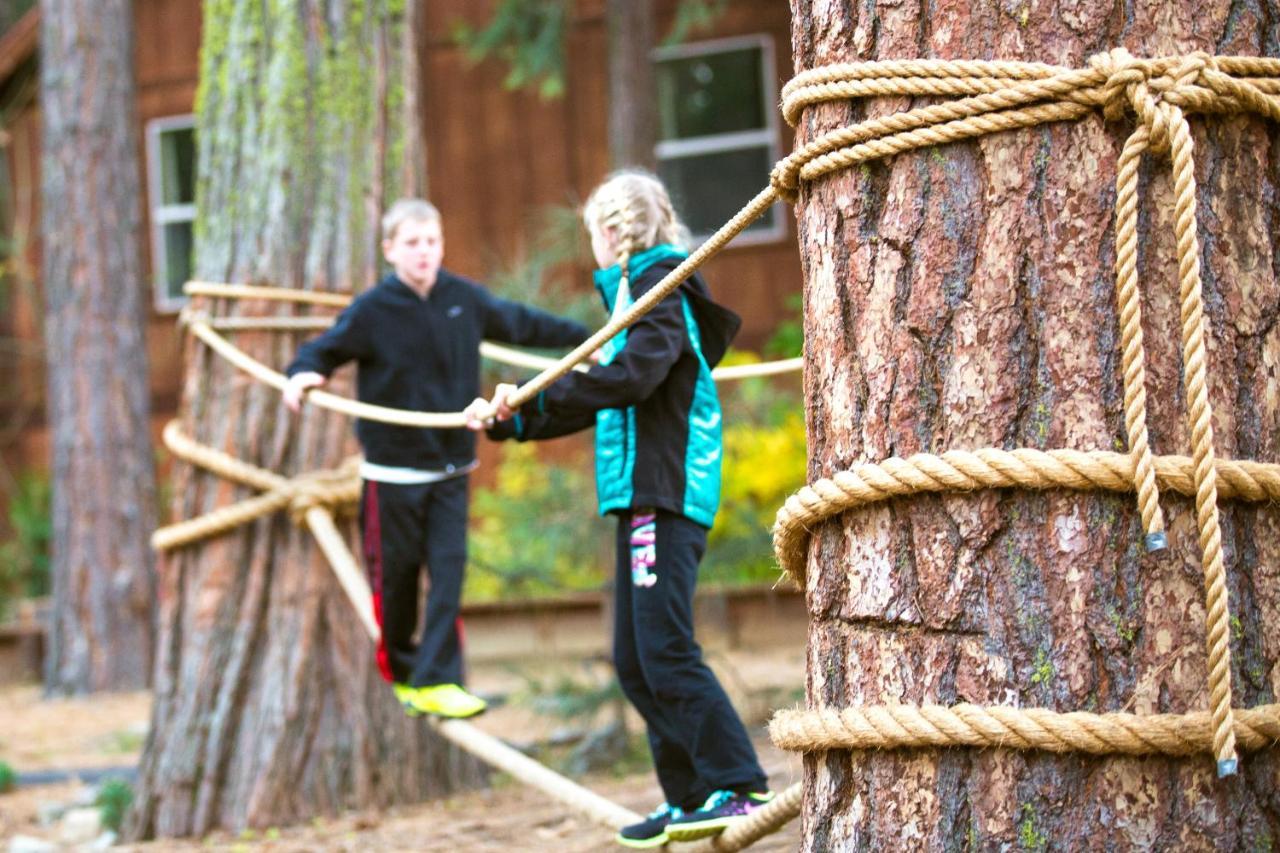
446,700
405,695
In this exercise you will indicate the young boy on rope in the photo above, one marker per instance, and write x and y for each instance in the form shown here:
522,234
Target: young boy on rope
653,403
415,337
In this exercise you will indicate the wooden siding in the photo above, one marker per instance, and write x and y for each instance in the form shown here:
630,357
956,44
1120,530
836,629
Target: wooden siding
493,157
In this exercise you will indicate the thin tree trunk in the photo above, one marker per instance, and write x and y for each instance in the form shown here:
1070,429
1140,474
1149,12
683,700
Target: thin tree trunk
269,708
961,297
633,96
101,630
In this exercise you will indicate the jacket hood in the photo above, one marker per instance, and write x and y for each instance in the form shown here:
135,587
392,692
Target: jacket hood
717,325
609,279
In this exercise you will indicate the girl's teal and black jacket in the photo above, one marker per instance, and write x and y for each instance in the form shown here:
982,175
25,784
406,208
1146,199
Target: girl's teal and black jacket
651,397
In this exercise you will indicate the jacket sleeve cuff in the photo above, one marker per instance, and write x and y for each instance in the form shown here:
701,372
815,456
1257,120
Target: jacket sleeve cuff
303,367
503,430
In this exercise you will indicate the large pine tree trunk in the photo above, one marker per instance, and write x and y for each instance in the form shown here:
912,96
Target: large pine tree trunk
961,297
268,706
100,633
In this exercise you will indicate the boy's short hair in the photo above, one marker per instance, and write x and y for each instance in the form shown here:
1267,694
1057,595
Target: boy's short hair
407,210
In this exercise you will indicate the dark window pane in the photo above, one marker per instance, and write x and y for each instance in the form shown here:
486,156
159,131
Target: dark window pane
708,189
178,166
177,257
714,93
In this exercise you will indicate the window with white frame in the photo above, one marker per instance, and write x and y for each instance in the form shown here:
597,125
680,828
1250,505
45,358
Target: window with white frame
718,131
171,186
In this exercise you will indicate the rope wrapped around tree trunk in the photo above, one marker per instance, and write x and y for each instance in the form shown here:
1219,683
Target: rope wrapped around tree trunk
998,96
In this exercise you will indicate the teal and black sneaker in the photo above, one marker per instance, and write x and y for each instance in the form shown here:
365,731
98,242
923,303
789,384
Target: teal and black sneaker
721,810
650,832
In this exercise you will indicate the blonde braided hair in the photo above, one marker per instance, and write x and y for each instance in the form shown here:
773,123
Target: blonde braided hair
634,206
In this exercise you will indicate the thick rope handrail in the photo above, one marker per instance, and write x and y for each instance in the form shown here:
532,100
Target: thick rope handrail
516,358
488,349
899,726
1000,96
269,324
201,329
271,294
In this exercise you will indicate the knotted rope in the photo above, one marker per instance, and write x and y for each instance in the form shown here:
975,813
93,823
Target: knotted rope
998,96
312,499
330,490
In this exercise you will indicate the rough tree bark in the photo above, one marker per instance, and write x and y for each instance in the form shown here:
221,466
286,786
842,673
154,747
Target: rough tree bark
633,95
268,704
962,297
101,626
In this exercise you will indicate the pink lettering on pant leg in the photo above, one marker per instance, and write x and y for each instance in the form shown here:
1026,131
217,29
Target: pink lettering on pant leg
644,549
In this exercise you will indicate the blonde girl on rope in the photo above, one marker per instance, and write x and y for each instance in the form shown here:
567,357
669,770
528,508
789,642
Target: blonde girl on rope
654,406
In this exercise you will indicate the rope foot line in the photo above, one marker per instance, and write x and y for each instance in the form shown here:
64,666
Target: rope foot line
494,752
777,813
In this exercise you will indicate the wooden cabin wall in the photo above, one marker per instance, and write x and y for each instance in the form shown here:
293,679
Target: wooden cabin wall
493,157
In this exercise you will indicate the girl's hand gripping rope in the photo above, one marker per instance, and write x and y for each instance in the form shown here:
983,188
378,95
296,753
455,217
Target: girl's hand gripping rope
500,394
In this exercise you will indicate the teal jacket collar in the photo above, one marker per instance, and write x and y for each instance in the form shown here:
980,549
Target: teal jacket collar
608,280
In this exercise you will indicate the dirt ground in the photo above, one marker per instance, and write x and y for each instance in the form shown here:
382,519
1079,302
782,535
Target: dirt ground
38,735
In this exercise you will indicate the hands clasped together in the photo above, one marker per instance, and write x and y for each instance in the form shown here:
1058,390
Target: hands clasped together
482,413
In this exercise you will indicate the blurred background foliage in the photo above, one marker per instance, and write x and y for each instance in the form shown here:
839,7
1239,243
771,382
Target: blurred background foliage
528,36
24,552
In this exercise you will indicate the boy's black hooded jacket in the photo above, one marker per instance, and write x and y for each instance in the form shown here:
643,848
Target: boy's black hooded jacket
424,355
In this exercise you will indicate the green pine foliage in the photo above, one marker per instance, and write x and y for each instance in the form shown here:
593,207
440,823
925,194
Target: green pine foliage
692,16
528,35
547,272
535,533
24,556
113,801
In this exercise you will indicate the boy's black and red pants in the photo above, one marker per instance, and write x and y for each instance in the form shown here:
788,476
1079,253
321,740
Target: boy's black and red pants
406,527
699,743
